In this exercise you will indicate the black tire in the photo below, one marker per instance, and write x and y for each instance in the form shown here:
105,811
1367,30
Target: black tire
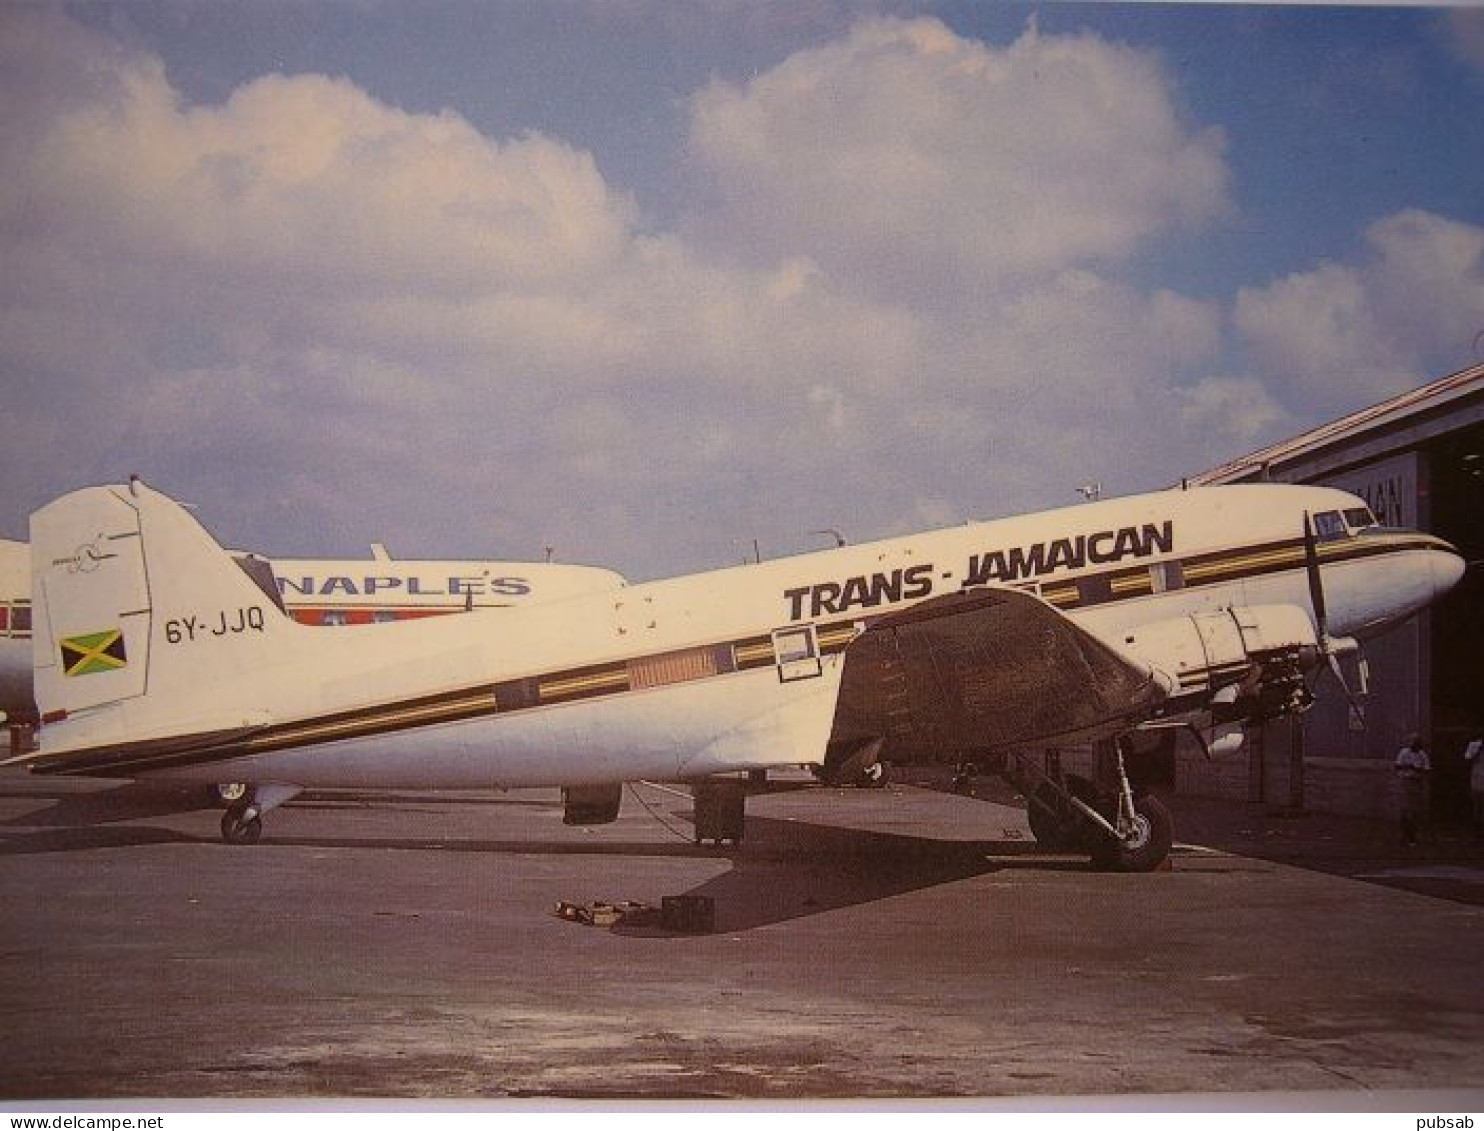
1151,847
237,830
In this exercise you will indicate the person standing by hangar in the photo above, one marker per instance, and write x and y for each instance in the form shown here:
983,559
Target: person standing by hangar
1412,769
1473,754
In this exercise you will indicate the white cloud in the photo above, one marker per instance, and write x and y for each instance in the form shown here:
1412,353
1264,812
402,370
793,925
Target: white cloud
925,163
328,320
1237,409
1343,334
391,197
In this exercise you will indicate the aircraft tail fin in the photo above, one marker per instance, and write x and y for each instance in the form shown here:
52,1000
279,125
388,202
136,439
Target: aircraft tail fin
144,628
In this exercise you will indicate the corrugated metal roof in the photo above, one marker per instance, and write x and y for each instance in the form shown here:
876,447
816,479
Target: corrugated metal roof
1387,414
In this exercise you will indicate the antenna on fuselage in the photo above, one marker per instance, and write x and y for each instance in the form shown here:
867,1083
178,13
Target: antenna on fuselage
832,533
757,554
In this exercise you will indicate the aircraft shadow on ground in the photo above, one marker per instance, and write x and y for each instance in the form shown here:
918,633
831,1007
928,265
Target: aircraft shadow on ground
784,869
130,802
83,813
77,822
793,869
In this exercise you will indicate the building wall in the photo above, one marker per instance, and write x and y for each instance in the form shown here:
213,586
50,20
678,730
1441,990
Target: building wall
1358,787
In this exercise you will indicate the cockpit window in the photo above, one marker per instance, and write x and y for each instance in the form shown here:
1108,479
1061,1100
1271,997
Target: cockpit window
1359,518
1328,525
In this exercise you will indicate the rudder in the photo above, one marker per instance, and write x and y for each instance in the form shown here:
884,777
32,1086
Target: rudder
91,616
141,619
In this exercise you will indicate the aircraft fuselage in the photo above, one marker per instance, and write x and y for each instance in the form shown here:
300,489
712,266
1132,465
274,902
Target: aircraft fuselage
723,671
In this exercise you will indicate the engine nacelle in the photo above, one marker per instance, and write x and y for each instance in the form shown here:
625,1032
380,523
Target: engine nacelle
1242,662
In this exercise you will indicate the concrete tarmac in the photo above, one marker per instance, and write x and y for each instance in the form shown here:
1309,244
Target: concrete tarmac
881,944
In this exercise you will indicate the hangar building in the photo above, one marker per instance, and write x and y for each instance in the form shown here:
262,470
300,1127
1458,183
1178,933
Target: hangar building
1418,460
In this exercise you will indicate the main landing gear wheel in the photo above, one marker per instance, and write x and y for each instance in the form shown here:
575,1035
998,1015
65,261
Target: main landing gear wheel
1146,842
240,828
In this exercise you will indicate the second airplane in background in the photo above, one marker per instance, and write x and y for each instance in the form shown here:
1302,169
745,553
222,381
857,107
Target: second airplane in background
321,591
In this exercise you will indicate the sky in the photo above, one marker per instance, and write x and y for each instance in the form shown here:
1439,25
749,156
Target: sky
646,283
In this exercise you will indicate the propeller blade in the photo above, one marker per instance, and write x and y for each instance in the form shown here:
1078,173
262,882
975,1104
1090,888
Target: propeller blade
1316,582
1355,704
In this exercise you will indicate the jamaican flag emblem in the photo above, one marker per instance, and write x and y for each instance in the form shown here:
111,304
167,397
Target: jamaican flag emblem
94,653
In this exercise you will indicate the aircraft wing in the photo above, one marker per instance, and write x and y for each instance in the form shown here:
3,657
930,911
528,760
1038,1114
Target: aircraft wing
983,671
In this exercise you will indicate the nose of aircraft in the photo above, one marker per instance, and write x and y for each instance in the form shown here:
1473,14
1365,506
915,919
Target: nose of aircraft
1446,565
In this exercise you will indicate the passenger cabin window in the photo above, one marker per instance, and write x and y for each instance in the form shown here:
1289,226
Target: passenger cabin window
1328,526
336,619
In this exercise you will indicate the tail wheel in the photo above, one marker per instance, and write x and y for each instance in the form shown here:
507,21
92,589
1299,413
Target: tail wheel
1147,844
239,828
229,793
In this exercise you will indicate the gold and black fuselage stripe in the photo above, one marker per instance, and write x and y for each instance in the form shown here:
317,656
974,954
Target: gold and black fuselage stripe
548,689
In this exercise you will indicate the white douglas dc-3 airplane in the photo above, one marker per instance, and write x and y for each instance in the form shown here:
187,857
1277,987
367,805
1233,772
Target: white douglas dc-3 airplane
157,656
